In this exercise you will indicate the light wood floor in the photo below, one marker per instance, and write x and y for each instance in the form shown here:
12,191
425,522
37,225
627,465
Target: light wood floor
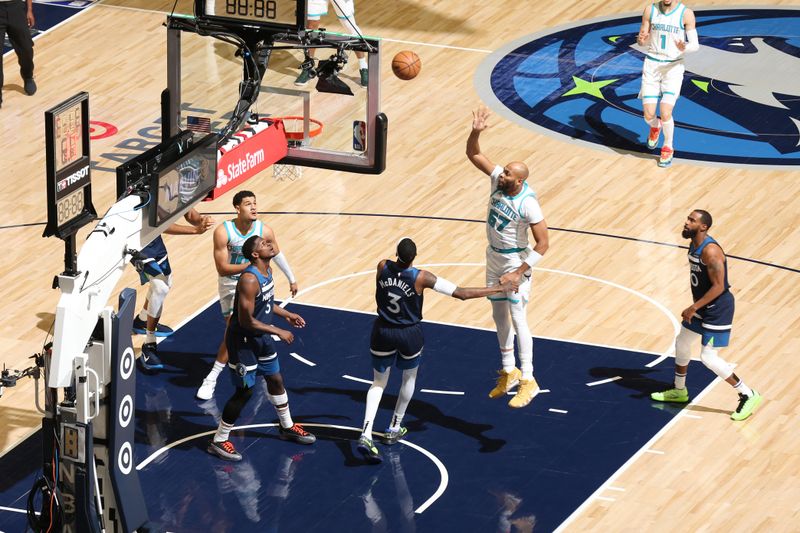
714,475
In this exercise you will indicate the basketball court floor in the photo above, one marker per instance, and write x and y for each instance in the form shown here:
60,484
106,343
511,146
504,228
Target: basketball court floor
592,452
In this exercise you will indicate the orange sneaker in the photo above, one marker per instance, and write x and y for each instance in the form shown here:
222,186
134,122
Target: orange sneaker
652,138
666,157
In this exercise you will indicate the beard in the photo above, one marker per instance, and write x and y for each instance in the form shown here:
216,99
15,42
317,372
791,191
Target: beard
688,234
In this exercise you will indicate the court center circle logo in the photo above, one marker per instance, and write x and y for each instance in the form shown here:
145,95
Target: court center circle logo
739,104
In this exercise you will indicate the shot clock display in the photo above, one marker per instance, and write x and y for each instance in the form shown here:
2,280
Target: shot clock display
69,190
280,14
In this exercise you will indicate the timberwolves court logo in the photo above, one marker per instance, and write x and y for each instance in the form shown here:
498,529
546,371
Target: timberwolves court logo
739,104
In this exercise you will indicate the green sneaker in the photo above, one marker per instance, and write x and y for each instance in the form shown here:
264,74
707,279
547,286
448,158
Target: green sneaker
367,448
303,78
671,395
747,406
392,436
364,76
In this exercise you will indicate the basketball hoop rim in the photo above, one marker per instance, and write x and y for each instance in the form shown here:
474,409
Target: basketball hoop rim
298,135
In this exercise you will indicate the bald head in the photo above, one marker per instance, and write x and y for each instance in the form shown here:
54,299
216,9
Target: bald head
518,169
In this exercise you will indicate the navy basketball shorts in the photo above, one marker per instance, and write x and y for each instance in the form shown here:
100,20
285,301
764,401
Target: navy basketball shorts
249,357
152,269
714,321
395,345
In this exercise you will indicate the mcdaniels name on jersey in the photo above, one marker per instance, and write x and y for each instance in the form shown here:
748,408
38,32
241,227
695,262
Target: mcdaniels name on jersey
407,289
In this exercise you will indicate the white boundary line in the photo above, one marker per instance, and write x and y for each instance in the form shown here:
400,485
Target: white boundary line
444,477
613,477
434,391
603,381
302,359
360,380
14,510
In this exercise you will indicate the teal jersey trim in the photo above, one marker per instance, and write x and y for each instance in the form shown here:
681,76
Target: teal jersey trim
507,250
503,299
663,60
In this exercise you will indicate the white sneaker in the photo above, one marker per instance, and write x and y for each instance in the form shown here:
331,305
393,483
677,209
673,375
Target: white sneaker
206,390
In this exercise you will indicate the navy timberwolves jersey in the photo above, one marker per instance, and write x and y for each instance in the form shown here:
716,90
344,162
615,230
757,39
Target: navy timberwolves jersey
262,310
398,301
698,271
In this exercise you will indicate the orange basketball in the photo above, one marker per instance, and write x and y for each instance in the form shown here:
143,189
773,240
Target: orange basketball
406,65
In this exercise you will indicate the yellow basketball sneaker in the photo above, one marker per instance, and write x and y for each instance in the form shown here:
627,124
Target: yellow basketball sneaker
505,382
671,395
528,388
747,406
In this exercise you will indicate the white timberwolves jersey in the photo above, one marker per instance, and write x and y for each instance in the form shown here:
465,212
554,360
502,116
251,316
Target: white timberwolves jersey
509,217
665,29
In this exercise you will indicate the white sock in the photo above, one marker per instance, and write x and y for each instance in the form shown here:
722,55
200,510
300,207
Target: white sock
374,395
223,432
669,130
507,358
653,122
362,62
743,389
150,336
284,416
143,315
215,370
404,397
680,381
396,421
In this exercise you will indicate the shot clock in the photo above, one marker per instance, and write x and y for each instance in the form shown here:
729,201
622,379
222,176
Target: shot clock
276,14
69,189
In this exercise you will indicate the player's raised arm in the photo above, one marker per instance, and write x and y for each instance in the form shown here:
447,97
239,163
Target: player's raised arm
644,29
428,280
281,261
479,123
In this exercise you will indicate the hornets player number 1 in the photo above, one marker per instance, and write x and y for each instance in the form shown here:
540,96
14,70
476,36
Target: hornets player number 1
668,31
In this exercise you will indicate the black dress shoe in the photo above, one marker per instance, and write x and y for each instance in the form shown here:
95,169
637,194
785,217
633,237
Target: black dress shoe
30,87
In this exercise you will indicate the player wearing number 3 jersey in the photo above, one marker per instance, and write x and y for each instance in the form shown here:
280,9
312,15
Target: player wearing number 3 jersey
710,317
396,337
513,209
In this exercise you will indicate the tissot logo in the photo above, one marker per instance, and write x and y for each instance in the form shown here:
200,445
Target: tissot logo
72,178
739,104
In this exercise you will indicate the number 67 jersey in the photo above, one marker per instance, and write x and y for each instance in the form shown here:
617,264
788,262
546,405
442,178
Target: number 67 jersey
509,217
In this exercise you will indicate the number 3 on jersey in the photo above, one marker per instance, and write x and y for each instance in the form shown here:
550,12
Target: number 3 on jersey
393,306
497,221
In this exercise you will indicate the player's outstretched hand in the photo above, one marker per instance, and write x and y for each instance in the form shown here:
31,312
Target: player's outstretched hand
206,223
681,44
511,278
293,289
286,336
643,37
509,286
296,320
480,118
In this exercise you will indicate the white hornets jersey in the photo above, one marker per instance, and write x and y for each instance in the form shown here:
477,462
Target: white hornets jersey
665,29
509,217
236,241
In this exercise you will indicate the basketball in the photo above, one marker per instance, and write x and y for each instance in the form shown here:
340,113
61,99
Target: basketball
406,65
